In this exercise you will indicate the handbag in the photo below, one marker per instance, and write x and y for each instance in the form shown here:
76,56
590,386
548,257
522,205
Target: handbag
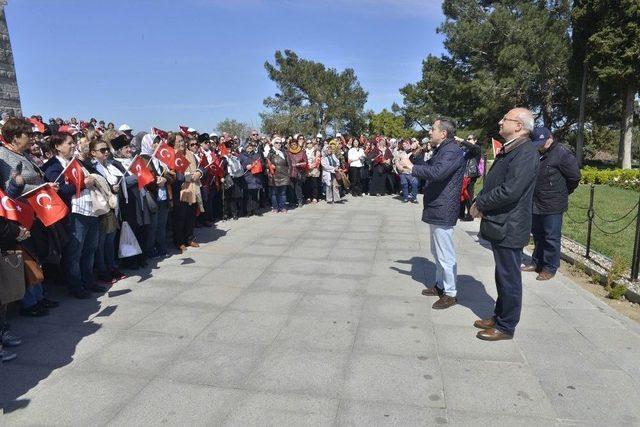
108,222
151,203
12,278
33,273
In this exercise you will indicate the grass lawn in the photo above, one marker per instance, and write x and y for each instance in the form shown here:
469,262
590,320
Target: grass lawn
609,203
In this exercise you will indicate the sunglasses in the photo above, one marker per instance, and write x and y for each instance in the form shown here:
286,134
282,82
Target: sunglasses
193,144
254,134
104,150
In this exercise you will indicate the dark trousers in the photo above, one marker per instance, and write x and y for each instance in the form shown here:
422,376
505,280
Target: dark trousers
184,219
509,284
296,185
312,187
547,230
251,201
355,176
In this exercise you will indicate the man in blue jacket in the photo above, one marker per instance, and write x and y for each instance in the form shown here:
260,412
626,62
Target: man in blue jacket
443,174
504,204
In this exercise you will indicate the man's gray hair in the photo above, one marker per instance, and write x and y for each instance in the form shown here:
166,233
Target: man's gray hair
526,118
448,125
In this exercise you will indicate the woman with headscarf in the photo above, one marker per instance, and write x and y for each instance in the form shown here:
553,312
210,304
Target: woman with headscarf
251,162
380,157
312,184
330,164
297,168
278,170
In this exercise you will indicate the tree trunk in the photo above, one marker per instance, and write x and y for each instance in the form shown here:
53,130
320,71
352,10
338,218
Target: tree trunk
626,133
583,96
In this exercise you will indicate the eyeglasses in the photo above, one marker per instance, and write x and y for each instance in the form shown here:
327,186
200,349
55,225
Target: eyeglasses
104,150
254,134
506,119
193,144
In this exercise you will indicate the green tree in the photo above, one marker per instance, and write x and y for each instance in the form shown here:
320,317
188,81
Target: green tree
234,127
607,37
499,54
388,124
311,97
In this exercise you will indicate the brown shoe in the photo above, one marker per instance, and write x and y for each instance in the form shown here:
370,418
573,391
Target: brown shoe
529,268
493,334
485,324
432,292
445,301
194,245
545,275
182,248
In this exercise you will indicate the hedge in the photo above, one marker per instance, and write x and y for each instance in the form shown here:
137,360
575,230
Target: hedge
623,178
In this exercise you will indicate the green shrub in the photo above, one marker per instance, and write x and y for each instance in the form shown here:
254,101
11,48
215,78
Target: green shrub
617,291
623,178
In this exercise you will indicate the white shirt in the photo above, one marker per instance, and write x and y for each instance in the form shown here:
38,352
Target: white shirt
354,155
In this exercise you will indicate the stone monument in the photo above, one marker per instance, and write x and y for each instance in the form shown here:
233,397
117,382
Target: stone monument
9,95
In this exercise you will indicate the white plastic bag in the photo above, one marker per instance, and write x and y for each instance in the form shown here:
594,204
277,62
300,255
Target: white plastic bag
128,243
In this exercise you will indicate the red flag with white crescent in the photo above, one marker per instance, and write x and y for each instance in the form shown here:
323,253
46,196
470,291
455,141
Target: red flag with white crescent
47,205
38,126
74,174
181,163
216,166
166,154
16,211
184,130
140,169
497,146
222,147
159,132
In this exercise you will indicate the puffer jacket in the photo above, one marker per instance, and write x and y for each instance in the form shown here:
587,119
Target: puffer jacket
443,174
558,176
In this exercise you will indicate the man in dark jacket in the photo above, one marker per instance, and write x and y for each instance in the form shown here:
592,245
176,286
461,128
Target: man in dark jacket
558,176
504,204
443,174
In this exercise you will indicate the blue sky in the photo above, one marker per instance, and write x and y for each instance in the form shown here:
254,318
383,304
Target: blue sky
163,63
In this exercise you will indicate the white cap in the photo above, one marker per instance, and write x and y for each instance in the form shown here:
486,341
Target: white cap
393,140
338,135
319,135
213,134
191,130
124,127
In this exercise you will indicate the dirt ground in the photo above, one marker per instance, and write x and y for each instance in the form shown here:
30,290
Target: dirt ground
629,309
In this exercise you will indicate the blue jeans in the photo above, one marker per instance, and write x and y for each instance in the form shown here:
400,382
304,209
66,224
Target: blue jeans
547,231
407,180
509,284
445,256
105,252
32,295
278,197
161,231
80,251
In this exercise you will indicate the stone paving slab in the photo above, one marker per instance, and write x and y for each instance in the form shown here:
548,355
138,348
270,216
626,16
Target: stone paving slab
316,318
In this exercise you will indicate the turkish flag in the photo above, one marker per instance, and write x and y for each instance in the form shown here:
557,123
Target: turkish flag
181,163
47,205
166,154
159,132
203,160
256,167
497,146
37,125
139,168
16,211
184,130
216,166
74,174
222,147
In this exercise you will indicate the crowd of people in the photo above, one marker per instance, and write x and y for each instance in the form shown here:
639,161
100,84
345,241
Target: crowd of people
128,191
114,196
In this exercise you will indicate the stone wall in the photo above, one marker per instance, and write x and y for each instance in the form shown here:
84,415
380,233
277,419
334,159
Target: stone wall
9,94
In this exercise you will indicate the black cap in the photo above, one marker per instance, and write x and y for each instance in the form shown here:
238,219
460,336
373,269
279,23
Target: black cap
203,137
119,141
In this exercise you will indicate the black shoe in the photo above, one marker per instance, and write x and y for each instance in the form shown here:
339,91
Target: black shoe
48,303
415,201
81,294
467,218
35,310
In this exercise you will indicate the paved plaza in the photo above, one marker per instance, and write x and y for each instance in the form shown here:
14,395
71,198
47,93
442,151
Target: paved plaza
316,318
